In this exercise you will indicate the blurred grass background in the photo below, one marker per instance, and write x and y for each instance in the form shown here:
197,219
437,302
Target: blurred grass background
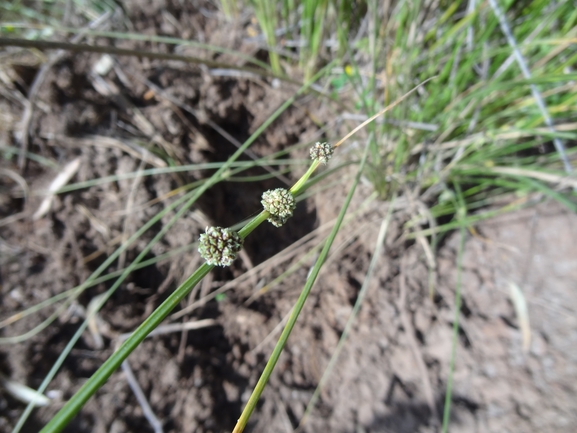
478,123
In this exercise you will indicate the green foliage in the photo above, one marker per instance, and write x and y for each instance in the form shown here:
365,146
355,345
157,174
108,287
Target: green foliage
267,17
477,124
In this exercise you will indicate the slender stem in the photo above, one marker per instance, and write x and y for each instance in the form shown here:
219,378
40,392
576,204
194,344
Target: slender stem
380,113
105,371
62,356
461,212
259,388
72,407
378,251
297,187
40,44
253,224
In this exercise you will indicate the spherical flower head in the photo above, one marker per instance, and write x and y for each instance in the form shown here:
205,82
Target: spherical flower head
219,245
322,151
280,203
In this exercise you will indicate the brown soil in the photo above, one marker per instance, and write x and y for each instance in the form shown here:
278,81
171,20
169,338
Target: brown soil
198,381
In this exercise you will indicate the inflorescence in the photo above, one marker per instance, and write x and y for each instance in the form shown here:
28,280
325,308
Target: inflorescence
280,203
322,151
219,245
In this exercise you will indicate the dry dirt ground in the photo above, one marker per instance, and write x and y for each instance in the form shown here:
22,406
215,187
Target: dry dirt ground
393,371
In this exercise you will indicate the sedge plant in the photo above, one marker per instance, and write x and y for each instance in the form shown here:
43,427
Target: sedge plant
219,246
101,375
478,126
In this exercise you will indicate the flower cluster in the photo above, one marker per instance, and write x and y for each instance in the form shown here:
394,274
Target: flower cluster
280,203
219,245
322,151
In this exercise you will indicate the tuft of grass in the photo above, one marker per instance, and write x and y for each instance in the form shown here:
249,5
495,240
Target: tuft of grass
267,17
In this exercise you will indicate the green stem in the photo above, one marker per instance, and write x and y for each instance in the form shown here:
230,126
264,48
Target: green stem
461,213
71,408
259,388
253,224
297,187
379,247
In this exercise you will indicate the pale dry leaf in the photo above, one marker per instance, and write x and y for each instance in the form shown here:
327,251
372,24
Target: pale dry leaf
520,304
23,393
59,181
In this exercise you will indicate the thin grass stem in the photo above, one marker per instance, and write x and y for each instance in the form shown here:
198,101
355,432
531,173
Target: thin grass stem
377,253
71,408
261,384
448,395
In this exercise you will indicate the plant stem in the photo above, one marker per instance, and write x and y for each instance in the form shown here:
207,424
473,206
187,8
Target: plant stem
378,251
55,45
259,388
297,187
253,224
71,408
461,212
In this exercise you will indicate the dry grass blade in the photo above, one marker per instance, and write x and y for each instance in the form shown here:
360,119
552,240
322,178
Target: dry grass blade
175,327
559,146
381,112
520,304
155,423
23,393
93,316
59,181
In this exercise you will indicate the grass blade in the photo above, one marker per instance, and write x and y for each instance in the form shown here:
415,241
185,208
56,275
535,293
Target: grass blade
362,293
259,388
71,408
559,146
461,212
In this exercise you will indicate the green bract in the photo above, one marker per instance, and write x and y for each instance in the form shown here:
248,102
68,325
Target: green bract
280,203
322,151
219,245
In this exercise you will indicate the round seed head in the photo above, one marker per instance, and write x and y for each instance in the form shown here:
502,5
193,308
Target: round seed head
219,245
322,151
276,220
280,203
